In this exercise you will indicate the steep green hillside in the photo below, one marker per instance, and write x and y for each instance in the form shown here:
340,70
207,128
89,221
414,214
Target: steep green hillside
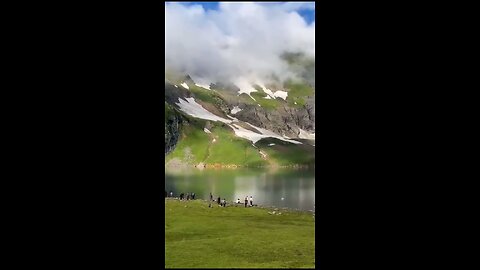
222,147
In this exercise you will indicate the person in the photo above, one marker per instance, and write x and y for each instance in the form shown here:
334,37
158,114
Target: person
238,200
171,193
211,196
181,196
193,196
218,200
246,201
251,201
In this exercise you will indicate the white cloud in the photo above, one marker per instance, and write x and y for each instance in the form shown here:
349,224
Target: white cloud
239,41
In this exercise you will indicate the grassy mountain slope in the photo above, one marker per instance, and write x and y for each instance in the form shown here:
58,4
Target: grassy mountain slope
221,147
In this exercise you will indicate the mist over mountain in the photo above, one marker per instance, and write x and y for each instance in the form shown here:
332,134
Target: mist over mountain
238,42
239,85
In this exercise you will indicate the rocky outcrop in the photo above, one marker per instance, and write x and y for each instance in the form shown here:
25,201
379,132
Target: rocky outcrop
173,122
284,121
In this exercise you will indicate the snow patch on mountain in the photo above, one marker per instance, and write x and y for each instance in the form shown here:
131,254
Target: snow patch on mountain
233,118
268,91
273,95
281,94
203,86
305,135
235,110
267,133
254,136
192,108
246,134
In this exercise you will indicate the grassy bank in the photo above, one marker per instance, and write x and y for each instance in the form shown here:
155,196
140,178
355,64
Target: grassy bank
236,237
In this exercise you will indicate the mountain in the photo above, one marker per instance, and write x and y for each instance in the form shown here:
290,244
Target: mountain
241,122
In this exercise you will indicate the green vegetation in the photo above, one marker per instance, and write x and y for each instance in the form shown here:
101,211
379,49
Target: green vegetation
236,237
229,149
206,95
286,154
297,92
244,98
223,147
193,143
268,104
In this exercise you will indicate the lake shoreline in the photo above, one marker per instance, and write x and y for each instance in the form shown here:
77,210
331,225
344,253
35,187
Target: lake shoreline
266,207
292,189
234,166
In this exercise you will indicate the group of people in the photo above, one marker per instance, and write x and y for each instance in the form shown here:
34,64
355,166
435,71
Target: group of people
246,201
190,195
221,202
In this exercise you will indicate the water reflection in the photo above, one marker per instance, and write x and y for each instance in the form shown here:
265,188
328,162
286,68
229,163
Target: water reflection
268,187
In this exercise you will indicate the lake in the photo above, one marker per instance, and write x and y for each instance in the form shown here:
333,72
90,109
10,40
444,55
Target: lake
267,186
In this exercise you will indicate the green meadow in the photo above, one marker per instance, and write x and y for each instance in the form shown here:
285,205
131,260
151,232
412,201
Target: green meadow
197,236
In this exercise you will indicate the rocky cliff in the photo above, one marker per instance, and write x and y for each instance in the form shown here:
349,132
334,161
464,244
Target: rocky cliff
173,123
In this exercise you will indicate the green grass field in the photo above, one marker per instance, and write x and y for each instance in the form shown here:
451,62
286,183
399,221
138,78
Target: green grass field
236,237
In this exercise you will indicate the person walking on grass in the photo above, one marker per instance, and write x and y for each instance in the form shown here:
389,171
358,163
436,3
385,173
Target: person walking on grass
246,201
211,196
251,201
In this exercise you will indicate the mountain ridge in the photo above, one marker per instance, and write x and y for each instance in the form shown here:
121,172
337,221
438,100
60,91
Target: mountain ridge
240,118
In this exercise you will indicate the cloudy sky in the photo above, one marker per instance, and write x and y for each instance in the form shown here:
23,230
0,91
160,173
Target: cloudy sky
231,40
